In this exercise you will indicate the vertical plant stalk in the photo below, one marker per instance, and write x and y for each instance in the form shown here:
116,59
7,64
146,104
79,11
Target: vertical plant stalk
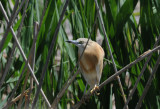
33,62
9,23
111,78
114,65
24,57
139,77
148,84
49,53
27,74
31,58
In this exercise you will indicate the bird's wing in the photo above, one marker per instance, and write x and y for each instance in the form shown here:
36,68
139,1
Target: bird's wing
99,65
98,70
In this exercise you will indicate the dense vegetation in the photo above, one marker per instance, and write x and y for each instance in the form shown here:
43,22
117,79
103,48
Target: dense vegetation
128,39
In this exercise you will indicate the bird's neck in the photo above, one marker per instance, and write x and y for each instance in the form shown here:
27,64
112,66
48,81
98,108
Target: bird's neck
80,50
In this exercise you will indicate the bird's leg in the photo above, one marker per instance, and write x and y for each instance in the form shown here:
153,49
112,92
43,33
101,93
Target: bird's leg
96,87
89,90
85,94
85,89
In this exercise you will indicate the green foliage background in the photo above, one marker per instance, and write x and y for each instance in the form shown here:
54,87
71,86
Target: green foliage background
128,40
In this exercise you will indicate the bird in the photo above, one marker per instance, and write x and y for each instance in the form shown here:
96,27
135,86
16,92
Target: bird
91,62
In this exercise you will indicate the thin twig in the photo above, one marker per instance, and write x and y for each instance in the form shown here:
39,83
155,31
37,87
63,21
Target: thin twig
49,53
27,74
114,65
33,62
9,23
129,66
111,78
148,84
139,77
18,97
25,59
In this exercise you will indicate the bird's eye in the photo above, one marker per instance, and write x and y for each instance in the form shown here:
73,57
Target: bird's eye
81,42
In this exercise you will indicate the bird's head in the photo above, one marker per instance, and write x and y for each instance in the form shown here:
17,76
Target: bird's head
80,43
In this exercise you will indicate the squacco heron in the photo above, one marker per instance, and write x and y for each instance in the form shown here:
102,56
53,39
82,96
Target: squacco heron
91,62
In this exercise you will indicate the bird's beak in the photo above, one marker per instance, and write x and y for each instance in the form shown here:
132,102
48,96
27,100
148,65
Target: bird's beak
73,42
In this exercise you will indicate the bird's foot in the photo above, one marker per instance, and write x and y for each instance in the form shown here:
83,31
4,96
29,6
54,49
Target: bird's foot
94,90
